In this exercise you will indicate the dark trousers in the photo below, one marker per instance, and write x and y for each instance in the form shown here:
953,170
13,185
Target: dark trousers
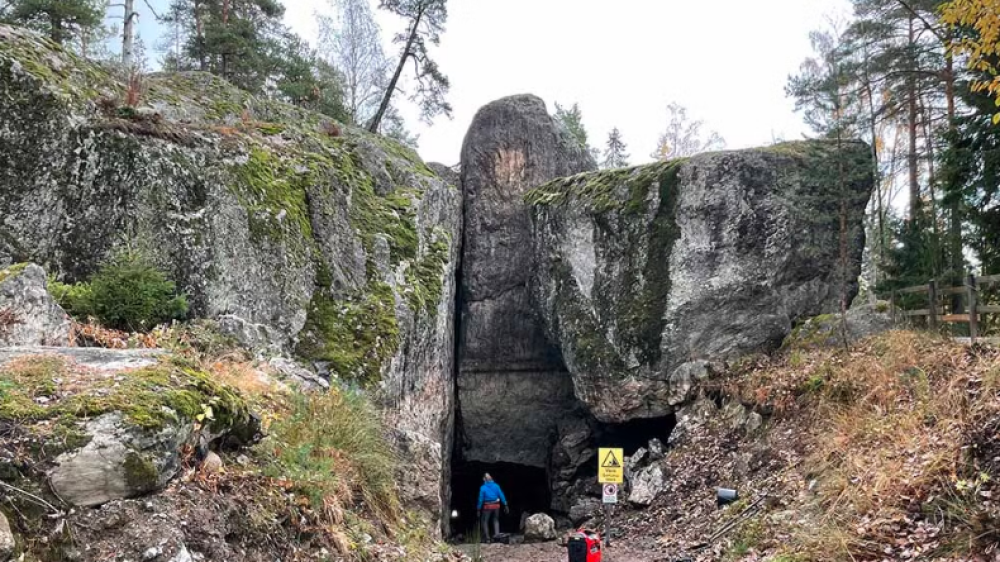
484,520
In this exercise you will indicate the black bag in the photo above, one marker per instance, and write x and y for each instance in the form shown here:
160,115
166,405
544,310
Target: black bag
577,548
502,538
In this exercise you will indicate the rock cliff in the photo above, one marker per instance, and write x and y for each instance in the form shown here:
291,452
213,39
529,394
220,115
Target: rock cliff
291,230
647,275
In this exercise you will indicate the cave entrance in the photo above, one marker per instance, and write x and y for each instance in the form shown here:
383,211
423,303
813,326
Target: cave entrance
635,434
525,487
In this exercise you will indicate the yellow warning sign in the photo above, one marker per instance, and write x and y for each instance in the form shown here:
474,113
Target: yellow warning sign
610,466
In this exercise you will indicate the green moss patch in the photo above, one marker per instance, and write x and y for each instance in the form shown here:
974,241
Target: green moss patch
273,191
357,336
140,473
51,388
12,271
621,189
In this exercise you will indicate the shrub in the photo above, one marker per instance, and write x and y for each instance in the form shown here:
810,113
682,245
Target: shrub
126,294
332,447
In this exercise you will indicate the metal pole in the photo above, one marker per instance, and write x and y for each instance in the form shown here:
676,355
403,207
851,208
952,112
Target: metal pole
607,524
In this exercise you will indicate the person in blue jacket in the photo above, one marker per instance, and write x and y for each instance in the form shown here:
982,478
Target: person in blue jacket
490,499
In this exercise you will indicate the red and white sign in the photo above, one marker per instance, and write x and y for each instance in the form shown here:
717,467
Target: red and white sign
611,493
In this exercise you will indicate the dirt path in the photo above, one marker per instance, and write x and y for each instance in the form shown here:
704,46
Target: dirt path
552,552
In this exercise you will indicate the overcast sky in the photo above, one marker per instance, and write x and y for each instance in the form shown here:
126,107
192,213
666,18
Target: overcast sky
727,61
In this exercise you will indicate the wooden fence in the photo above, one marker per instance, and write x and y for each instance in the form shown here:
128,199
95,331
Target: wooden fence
964,306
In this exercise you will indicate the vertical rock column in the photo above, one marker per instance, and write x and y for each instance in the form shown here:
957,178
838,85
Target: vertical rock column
513,389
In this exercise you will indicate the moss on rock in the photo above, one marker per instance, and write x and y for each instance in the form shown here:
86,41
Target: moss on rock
42,388
12,271
140,472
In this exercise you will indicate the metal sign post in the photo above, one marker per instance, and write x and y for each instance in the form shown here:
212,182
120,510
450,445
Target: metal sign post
610,472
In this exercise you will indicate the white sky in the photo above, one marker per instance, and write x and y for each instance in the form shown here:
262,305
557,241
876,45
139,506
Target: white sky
727,61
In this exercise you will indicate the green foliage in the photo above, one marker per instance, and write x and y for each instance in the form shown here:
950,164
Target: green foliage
425,19
332,447
572,120
61,20
126,294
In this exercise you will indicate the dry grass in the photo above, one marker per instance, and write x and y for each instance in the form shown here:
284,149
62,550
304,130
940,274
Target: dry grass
891,428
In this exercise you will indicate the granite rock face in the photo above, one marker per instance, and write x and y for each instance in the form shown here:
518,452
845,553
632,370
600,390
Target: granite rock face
28,314
295,234
513,390
647,276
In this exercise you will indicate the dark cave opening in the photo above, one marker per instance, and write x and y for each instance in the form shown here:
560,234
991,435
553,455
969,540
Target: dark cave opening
634,434
525,487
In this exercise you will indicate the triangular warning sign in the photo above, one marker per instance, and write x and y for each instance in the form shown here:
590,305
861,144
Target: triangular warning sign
611,461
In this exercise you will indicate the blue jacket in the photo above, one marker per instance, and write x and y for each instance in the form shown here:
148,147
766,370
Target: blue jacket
490,492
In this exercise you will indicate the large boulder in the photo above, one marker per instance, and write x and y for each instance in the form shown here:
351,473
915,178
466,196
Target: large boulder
539,527
646,484
512,387
28,314
119,461
647,276
296,233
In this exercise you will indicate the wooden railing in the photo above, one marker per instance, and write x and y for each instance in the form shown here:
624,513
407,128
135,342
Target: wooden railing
964,306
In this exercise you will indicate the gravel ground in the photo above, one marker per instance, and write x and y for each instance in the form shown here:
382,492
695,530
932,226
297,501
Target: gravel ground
553,552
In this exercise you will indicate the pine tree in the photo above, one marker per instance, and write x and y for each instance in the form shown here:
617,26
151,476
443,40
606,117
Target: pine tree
615,155
62,20
426,19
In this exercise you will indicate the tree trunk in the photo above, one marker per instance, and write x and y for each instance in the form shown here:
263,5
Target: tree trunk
128,35
199,25
225,25
957,261
873,129
384,106
911,123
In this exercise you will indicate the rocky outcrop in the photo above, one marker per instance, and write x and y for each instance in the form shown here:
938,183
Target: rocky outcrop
295,233
122,417
834,330
646,276
28,314
513,388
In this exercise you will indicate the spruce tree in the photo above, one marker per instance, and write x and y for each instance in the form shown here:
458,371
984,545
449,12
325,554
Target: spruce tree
615,155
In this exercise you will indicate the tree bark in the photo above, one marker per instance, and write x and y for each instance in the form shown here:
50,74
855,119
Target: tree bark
911,123
954,207
128,35
384,106
199,25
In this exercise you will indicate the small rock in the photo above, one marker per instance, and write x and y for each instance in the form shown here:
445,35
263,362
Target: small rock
584,509
152,553
540,527
7,543
182,555
212,463
656,450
